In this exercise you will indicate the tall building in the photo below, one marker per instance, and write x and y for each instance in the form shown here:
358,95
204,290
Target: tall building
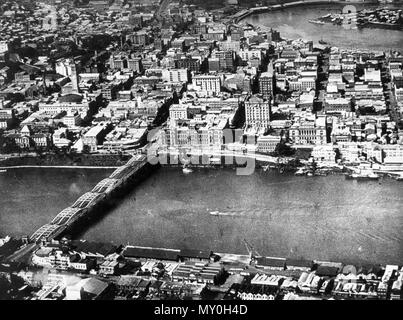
63,67
273,35
209,83
266,83
74,78
138,38
257,112
188,63
225,58
309,131
214,64
124,61
246,55
134,64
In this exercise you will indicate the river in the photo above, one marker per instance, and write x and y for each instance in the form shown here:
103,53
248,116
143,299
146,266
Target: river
293,24
280,214
29,198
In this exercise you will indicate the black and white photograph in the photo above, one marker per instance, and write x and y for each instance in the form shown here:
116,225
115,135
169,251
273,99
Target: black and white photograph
213,151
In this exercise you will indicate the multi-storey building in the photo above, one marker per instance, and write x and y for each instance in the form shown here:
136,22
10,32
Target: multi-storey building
175,75
302,84
208,83
257,112
110,90
267,144
213,64
188,63
309,132
93,137
324,153
247,55
178,112
64,67
138,38
197,134
398,86
230,45
3,47
225,59
126,62
336,105
266,85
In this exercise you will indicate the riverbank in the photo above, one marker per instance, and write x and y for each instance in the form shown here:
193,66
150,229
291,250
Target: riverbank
377,18
85,161
57,167
257,10
11,244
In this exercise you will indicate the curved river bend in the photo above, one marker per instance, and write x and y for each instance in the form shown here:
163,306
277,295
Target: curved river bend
293,24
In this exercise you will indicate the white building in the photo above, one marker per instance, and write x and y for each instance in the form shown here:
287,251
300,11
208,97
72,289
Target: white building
309,132
372,74
175,75
210,84
247,55
71,120
302,84
350,152
257,112
92,137
393,154
324,153
267,144
178,112
65,67
3,47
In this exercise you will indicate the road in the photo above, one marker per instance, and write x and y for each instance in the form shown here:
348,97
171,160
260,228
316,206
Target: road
259,157
59,167
23,254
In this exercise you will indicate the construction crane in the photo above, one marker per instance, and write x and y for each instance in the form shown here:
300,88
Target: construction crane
251,250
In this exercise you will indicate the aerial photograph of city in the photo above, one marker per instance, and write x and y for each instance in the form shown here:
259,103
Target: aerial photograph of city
209,150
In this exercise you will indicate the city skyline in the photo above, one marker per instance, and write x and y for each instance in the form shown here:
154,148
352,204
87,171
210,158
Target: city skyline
239,116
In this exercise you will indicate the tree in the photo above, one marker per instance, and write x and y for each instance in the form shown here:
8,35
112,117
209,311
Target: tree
8,145
221,277
86,149
283,150
5,286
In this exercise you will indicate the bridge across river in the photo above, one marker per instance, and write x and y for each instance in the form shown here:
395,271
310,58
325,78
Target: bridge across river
236,18
85,204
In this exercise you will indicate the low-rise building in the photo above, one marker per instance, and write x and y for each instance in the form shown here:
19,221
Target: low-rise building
267,144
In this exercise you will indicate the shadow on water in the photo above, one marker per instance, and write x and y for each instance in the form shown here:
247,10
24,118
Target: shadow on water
100,211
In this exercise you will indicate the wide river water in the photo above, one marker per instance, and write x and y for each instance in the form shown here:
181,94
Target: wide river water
280,214
293,24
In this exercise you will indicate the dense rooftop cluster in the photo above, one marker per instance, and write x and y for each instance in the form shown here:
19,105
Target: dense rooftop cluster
89,270
97,78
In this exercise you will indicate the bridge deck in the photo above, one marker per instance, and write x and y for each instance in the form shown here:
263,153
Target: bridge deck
71,214
86,200
45,231
104,185
65,216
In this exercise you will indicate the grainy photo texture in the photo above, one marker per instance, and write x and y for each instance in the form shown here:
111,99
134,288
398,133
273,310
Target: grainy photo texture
219,150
